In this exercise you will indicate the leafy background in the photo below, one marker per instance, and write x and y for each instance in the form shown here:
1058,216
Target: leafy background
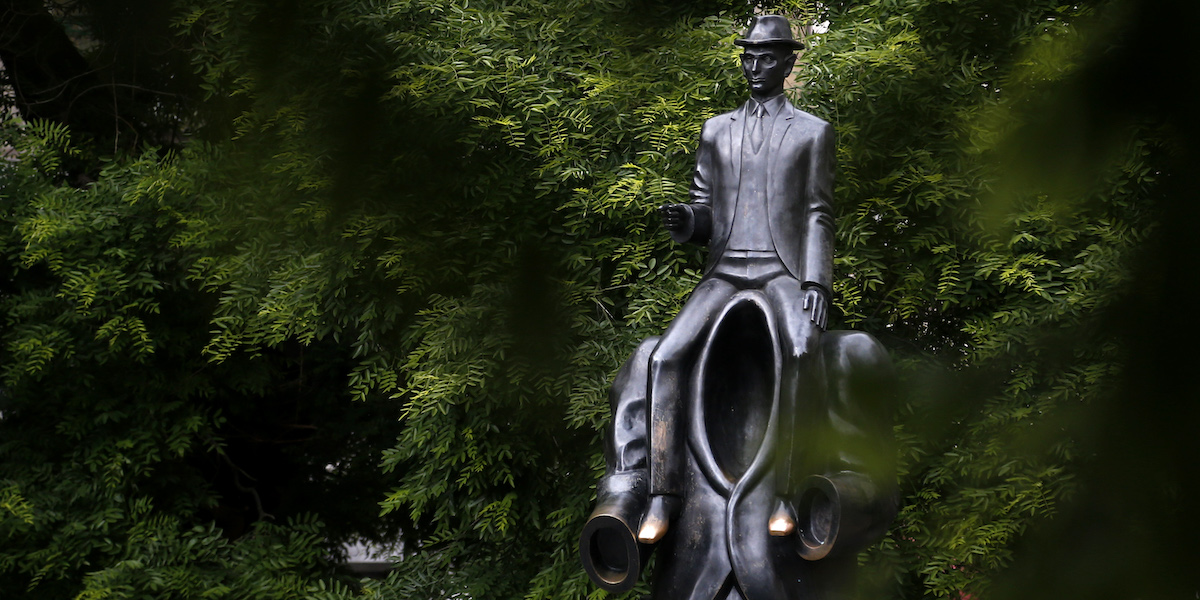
345,271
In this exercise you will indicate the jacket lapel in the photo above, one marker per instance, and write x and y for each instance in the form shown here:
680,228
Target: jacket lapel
778,133
735,142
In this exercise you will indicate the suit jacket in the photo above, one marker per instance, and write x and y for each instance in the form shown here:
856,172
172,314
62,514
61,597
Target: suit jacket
800,165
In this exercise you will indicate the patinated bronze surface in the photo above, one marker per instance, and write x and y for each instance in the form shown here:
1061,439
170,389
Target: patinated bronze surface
750,448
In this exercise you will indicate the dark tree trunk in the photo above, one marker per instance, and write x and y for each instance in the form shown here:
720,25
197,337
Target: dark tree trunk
49,77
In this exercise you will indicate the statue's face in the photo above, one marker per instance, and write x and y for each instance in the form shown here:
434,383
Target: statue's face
766,68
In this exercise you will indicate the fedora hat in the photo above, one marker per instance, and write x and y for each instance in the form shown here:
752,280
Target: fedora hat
769,29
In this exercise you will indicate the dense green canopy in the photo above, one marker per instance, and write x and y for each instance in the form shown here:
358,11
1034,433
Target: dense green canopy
318,271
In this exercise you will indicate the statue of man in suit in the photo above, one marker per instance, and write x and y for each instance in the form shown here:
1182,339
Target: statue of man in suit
748,445
761,198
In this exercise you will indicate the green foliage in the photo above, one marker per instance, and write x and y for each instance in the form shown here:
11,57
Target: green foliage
539,161
951,257
88,277
110,411
481,254
425,231
165,561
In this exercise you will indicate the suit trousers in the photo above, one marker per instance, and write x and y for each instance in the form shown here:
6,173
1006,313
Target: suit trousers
802,380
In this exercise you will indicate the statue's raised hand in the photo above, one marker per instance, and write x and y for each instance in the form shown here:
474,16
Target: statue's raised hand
675,216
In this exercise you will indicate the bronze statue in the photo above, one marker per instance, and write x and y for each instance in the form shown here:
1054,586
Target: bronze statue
748,444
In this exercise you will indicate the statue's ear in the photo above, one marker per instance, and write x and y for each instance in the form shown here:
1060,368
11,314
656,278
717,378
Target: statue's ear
790,61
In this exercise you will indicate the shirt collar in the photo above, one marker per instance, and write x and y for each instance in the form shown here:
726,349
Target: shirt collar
774,104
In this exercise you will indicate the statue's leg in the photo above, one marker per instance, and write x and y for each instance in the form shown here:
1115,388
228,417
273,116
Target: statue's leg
627,438
802,380
802,383
608,546
670,364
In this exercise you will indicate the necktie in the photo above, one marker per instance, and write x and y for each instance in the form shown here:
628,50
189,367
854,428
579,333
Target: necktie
756,126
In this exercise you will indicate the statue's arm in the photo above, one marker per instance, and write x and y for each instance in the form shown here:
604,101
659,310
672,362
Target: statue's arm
692,222
818,199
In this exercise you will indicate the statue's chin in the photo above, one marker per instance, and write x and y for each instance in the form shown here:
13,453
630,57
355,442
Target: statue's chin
760,89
